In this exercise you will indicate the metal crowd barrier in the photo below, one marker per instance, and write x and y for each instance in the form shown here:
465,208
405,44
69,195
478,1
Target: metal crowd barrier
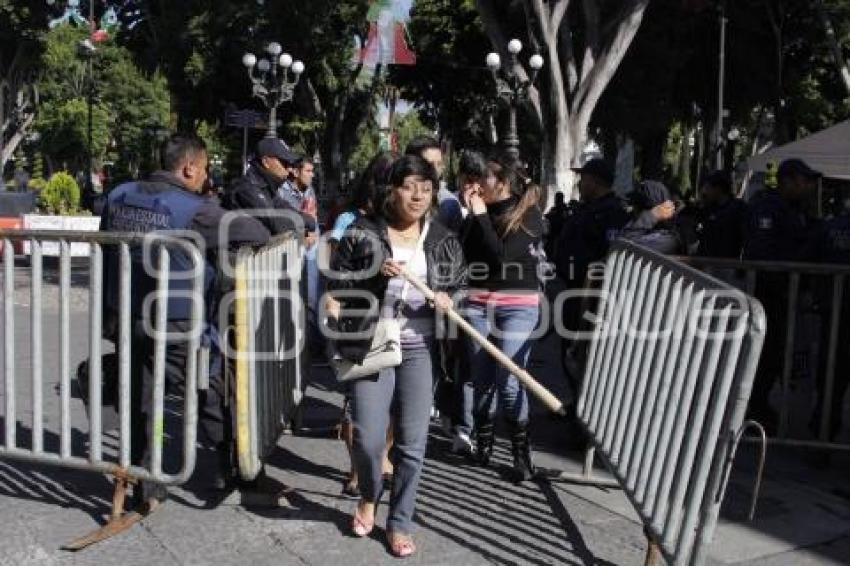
270,357
832,280
96,460
669,372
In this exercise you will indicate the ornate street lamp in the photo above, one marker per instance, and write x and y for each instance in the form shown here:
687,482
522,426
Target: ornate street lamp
512,90
274,79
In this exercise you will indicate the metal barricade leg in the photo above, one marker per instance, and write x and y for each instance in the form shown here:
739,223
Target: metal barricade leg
119,521
762,440
653,553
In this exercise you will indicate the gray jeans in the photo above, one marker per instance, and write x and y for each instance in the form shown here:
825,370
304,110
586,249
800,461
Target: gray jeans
405,394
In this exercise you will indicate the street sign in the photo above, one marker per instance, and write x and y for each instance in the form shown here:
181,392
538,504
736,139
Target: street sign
249,119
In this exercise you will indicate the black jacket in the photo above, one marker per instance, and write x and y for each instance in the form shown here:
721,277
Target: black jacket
257,190
722,229
777,231
356,265
511,260
587,235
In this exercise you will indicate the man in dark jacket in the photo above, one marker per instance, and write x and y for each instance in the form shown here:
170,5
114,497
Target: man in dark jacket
723,218
779,229
171,200
597,221
258,190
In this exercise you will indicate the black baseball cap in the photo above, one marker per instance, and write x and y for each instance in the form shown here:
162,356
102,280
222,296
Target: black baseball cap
599,168
791,167
720,179
274,147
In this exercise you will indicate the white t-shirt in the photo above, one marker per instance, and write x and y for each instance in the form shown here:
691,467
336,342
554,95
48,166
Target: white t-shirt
416,315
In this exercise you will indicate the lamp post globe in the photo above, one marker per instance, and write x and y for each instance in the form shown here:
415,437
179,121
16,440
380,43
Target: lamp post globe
494,62
274,49
536,62
271,86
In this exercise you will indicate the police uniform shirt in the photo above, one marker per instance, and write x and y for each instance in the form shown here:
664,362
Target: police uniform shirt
722,230
776,231
587,235
207,219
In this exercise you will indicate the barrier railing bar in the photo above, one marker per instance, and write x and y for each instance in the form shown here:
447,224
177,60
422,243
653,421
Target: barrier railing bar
95,369
9,342
691,314
157,424
670,314
685,470
636,317
190,399
641,388
765,266
749,361
124,353
637,362
621,337
36,343
253,319
829,378
612,336
584,393
671,463
601,335
661,385
65,348
790,334
711,437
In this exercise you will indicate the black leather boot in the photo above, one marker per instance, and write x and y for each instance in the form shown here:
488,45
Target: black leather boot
523,468
225,474
484,438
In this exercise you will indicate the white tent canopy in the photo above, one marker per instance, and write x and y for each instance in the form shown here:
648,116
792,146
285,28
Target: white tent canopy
827,151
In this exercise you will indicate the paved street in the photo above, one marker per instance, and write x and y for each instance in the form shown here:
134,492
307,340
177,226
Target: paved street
467,515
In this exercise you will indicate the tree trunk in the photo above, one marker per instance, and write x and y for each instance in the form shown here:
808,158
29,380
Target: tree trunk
834,45
565,114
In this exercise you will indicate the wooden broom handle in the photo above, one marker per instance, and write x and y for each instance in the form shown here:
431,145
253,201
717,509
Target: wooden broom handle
545,396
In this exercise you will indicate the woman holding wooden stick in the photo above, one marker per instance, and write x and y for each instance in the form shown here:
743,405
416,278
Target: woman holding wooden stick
399,236
501,239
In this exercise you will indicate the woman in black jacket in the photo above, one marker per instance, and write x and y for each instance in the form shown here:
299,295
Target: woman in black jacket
369,260
501,239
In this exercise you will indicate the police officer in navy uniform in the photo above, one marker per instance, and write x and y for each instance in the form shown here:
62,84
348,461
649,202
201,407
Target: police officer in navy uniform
259,189
595,223
722,219
779,229
172,199
834,249
585,237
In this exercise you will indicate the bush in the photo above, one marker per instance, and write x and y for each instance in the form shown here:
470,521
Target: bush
61,195
37,184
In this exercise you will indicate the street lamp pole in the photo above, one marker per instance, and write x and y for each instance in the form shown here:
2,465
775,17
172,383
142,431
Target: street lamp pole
721,83
273,79
512,91
86,50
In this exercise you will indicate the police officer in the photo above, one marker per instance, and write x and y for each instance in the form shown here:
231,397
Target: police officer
595,223
171,199
722,220
778,229
259,189
834,248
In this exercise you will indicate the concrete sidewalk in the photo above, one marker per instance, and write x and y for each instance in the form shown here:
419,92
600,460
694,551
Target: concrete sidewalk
467,515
